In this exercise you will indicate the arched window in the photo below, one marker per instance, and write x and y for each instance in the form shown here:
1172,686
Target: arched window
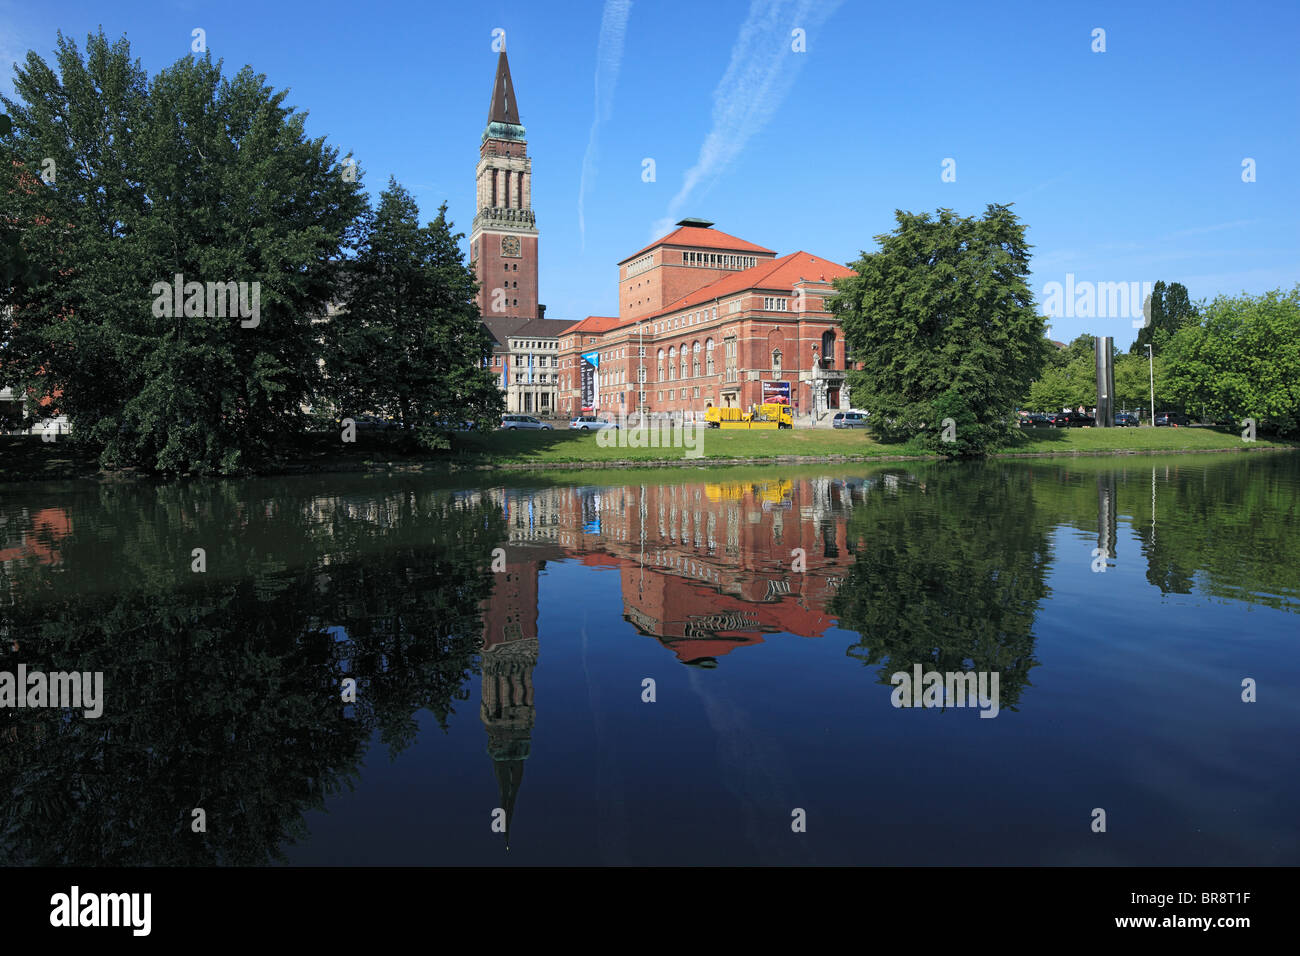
708,356
685,365
776,360
695,359
672,362
661,365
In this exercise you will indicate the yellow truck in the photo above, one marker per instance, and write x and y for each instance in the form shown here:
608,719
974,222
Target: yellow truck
762,416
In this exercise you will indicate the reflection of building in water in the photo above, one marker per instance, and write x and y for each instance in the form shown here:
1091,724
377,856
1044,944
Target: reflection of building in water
703,568
37,537
508,712
510,649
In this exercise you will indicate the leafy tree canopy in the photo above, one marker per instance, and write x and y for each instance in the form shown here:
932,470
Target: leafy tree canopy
409,344
190,174
943,320
1241,361
1170,310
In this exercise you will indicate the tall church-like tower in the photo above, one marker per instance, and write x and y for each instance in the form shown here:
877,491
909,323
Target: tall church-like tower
503,241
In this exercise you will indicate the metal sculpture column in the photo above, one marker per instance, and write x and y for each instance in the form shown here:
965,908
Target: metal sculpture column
1105,355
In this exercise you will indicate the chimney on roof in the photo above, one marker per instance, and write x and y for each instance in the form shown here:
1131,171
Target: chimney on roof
541,311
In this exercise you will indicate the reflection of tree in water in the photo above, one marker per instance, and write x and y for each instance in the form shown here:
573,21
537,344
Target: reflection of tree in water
222,690
1230,528
948,574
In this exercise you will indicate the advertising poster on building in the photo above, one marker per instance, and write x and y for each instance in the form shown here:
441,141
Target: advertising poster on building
590,362
776,393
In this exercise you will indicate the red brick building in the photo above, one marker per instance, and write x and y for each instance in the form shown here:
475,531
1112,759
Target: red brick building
708,319
704,318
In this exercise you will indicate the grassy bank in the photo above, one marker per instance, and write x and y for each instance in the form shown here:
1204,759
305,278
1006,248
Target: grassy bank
565,446
26,458
1074,441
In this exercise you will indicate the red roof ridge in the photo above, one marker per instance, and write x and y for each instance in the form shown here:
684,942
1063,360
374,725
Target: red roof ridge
746,279
706,237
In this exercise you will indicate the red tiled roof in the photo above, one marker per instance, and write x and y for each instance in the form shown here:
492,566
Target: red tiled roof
701,238
593,323
777,274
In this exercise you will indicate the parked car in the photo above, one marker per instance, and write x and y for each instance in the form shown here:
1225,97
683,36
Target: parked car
849,420
513,422
1172,418
1079,420
365,423
1126,420
1035,420
586,423
1057,419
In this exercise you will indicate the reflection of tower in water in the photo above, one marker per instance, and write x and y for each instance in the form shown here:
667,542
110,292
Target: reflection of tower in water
1107,521
508,713
509,654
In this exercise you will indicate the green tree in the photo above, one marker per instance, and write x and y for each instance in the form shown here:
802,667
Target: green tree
943,320
1241,361
1169,311
189,174
409,344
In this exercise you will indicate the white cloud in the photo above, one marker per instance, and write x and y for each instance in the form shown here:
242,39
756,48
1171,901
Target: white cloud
762,70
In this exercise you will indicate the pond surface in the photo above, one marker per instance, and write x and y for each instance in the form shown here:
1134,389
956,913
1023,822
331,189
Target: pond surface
663,668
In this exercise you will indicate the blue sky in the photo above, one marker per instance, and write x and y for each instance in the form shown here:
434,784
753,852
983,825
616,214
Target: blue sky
1126,165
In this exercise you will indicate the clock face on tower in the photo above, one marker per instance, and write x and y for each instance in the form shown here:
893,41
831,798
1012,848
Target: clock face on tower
510,246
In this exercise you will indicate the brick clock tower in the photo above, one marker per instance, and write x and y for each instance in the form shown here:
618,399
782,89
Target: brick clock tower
503,241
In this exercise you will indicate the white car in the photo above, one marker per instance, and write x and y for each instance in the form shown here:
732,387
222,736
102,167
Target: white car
513,422
590,423
849,419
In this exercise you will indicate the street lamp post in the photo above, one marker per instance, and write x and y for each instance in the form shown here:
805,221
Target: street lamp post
1151,368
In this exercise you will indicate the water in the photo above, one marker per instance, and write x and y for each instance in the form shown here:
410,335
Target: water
518,694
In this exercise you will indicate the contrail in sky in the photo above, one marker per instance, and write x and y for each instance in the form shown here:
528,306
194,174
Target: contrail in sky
763,67
609,57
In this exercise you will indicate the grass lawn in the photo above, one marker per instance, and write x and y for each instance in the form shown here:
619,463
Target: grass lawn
1084,440
563,446
27,458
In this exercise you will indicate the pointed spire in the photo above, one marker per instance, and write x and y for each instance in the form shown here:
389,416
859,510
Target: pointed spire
510,775
503,108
